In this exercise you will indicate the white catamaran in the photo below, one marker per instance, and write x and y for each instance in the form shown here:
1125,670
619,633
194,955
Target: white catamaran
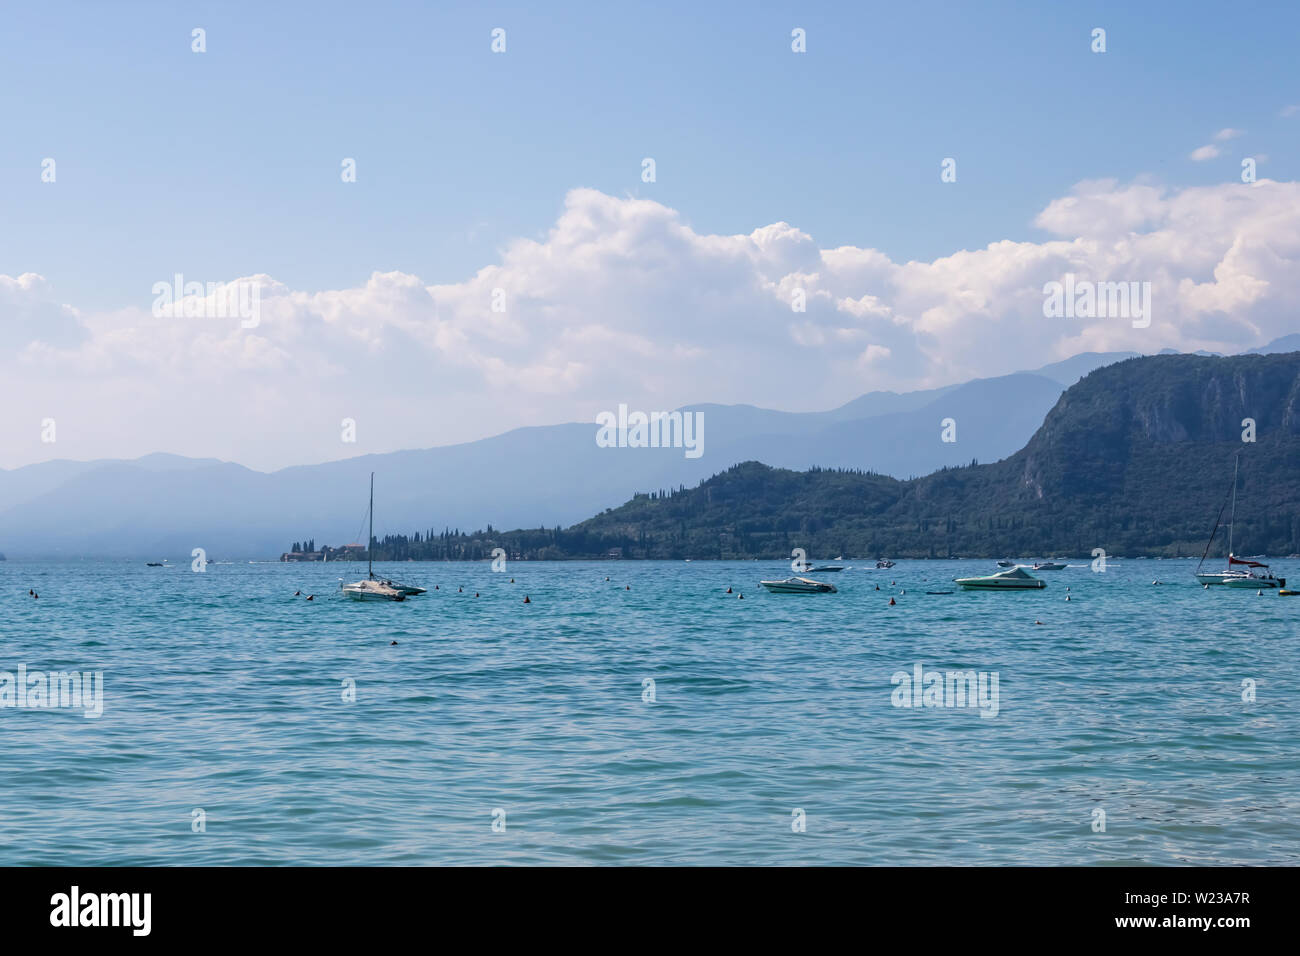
1239,573
371,588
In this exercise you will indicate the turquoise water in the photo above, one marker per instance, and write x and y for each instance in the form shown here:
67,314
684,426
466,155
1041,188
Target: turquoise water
223,692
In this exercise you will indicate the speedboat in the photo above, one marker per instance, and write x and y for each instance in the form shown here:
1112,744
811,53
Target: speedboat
826,569
1049,566
797,585
1012,579
884,563
1006,564
367,590
1239,573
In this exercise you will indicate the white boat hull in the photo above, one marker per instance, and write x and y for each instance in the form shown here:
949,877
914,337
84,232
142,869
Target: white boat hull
372,591
977,584
799,586
1236,579
1014,579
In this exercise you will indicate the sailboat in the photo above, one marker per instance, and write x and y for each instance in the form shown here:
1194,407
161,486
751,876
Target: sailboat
370,589
1239,573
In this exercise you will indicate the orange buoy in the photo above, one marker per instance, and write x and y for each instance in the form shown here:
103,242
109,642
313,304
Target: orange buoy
526,601
728,590
892,602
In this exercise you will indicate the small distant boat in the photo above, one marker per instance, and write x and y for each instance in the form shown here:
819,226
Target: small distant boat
155,564
1012,579
1239,573
826,569
1049,566
884,563
797,585
1006,564
370,589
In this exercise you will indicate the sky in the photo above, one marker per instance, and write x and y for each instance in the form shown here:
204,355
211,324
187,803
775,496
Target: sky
501,259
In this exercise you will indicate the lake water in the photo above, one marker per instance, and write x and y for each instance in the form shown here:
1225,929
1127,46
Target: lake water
224,693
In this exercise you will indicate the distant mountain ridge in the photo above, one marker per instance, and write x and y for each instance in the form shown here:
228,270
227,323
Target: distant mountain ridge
1135,459
166,505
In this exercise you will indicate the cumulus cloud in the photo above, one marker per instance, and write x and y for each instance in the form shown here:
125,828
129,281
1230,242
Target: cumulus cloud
621,301
1202,153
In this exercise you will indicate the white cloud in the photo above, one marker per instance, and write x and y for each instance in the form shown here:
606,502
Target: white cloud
1202,153
623,302
1226,134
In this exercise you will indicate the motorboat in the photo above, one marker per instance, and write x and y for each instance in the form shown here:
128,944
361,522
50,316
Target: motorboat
1006,564
1240,573
798,585
1012,579
884,563
826,569
1049,566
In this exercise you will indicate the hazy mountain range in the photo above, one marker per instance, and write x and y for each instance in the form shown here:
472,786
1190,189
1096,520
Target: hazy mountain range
165,505
1136,459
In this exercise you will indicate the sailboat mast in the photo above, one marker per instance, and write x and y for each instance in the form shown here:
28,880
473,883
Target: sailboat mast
370,542
1236,463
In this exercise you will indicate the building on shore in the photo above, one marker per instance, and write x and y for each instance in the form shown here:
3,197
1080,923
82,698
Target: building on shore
349,552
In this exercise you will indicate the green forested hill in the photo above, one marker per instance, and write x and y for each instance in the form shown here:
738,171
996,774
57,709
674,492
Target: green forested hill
1136,458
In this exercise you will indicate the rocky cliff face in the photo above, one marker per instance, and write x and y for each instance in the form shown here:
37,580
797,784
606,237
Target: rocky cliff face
1087,443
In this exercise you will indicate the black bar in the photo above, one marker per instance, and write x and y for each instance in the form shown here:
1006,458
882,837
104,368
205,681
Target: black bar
946,905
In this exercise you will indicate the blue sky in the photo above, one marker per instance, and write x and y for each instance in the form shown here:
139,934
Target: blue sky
516,177
227,163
